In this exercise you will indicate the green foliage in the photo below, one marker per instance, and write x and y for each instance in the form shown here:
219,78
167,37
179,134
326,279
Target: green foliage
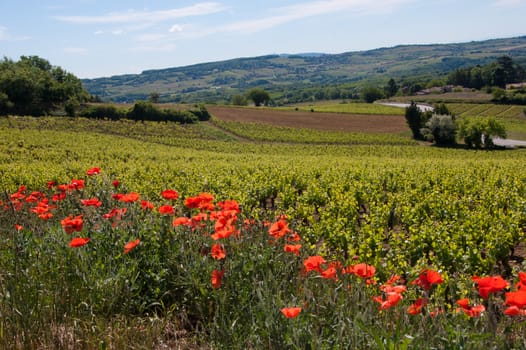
479,132
239,100
258,96
441,129
103,111
370,94
416,120
391,89
32,86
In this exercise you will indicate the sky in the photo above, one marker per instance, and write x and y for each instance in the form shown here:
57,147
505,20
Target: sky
101,38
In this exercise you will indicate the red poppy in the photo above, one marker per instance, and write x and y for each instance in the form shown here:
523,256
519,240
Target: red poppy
19,227
115,212
93,171
515,311
522,281
292,248
130,245
92,202
217,276
294,237
279,229
427,278
517,298
51,184
417,306
166,210
363,270
181,221
170,194
490,284
147,205
76,184
471,311
115,183
72,224
218,252
229,205
58,196
291,312
129,197
78,242
329,273
391,299
313,263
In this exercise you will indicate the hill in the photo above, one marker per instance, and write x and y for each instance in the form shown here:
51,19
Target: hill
279,74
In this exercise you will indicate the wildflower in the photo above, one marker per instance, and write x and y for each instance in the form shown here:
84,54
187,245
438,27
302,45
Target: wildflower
166,210
522,281
217,276
391,299
147,205
76,184
291,312
115,183
471,311
279,229
313,263
115,212
129,197
170,194
58,197
294,237
427,278
78,242
218,251
292,248
92,202
130,245
202,201
72,224
490,284
329,272
362,270
517,298
93,171
181,221
19,227
417,306
229,205
51,184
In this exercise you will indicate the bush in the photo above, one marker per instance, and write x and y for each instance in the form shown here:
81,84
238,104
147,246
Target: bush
440,129
103,111
370,94
479,133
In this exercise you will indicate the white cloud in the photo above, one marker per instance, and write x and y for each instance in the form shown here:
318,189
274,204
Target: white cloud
150,37
509,3
198,9
6,36
99,32
117,32
307,9
75,50
156,48
176,28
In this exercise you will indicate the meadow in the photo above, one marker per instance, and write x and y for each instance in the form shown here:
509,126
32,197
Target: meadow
239,235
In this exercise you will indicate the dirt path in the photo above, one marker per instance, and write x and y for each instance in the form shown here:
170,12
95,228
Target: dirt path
313,120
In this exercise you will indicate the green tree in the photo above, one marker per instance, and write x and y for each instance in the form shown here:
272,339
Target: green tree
154,97
480,132
239,100
258,96
370,94
440,129
415,120
392,88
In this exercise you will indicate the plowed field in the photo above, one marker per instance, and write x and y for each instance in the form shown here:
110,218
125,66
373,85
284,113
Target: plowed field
313,120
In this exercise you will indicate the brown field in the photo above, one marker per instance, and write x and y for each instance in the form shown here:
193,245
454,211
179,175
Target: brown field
313,120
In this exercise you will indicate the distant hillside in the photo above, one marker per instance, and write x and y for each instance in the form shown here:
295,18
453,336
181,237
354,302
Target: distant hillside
218,81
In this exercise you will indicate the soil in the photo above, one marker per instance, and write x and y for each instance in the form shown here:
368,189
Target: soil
313,120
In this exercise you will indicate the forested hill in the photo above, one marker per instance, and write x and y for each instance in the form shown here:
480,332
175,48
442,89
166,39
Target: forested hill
285,74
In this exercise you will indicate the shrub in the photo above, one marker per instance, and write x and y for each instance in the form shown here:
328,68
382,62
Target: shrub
440,129
479,133
103,111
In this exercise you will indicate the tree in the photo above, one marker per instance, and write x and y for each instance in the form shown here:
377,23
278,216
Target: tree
239,100
392,88
440,129
258,96
480,132
154,97
371,94
415,120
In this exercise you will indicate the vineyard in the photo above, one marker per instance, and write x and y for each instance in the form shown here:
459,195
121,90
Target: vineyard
378,199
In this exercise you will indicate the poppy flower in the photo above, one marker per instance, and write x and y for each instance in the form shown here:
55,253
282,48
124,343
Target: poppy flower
417,306
78,242
427,278
51,184
181,221
92,202
329,273
390,300
116,183
217,276
170,194
218,252
279,229
129,197
166,210
522,281
313,263
19,227
490,284
147,205
470,310
515,311
130,245
72,224
292,248
291,312
517,298
93,171
76,184
58,197
229,205
363,270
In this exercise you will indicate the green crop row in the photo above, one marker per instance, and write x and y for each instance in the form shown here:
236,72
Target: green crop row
352,108
486,110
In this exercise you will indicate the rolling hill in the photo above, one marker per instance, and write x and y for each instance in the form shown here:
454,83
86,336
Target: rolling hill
218,81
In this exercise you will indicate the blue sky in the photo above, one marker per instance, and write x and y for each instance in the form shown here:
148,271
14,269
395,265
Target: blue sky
95,38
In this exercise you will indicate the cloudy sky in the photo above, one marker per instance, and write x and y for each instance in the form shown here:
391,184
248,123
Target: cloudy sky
95,38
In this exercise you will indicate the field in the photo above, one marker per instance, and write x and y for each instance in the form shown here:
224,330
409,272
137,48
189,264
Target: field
270,220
